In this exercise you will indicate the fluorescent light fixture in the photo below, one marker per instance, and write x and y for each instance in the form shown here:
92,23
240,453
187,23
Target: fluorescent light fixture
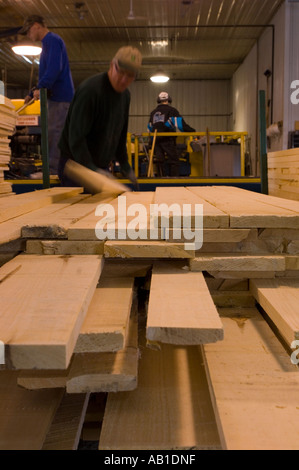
161,43
27,60
25,50
159,78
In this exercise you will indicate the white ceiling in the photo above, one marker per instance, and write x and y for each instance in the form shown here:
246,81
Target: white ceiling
199,39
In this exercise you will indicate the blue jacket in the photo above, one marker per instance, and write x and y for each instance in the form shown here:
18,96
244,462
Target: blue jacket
54,69
166,118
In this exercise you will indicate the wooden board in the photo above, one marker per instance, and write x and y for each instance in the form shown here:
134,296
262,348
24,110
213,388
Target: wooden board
283,176
280,299
107,372
121,213
64,247
253,384
43,304
19,204
93,181
277,202
56,224
25,415
212,216
66,427
212,235
93,371
245,210
12,229
169,410
146,249
181,310
36,379
238,262
105,325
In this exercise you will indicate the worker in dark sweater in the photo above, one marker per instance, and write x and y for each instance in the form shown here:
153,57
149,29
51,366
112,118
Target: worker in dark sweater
95,131
166,118
54,75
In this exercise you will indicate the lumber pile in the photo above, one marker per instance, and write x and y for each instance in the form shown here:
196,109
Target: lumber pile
8,119
283,173
176,325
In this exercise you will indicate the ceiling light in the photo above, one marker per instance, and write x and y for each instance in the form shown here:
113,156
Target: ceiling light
26,49
159,77
161,43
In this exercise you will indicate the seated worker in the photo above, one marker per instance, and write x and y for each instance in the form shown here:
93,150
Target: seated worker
95,130
166,118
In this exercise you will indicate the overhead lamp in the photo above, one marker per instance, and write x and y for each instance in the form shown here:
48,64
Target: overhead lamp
160,77
159,43
26,49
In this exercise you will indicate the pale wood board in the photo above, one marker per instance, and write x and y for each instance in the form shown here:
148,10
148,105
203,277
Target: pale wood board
66,427
238,262
253,385
25,415
105,325
181,309
118,217
283,153
5,188
213,235
248,247
292,263
94,371
288,234
22,203
43,305
169,410
64,247
277,202
284,193
232,299
146,249
245,210
245,274
212,216
12,229
283,178
93,181
37,379
56,224
108,371
280,299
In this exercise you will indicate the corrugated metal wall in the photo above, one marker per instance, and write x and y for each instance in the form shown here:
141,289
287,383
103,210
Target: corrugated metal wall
204,103
291,113
250,78
244,103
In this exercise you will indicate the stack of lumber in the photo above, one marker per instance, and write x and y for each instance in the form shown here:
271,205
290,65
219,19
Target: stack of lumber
8,119
205,350
283,173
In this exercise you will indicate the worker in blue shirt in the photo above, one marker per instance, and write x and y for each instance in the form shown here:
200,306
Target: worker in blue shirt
55,76
166,118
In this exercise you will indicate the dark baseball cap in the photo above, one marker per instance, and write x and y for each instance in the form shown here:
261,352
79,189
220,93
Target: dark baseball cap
30,20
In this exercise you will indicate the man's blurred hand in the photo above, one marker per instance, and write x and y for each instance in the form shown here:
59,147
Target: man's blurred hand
36,94
132,177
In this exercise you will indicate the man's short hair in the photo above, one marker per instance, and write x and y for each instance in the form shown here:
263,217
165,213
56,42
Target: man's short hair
30,20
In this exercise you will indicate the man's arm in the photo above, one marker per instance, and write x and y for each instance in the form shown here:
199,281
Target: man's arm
52,65
80,124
